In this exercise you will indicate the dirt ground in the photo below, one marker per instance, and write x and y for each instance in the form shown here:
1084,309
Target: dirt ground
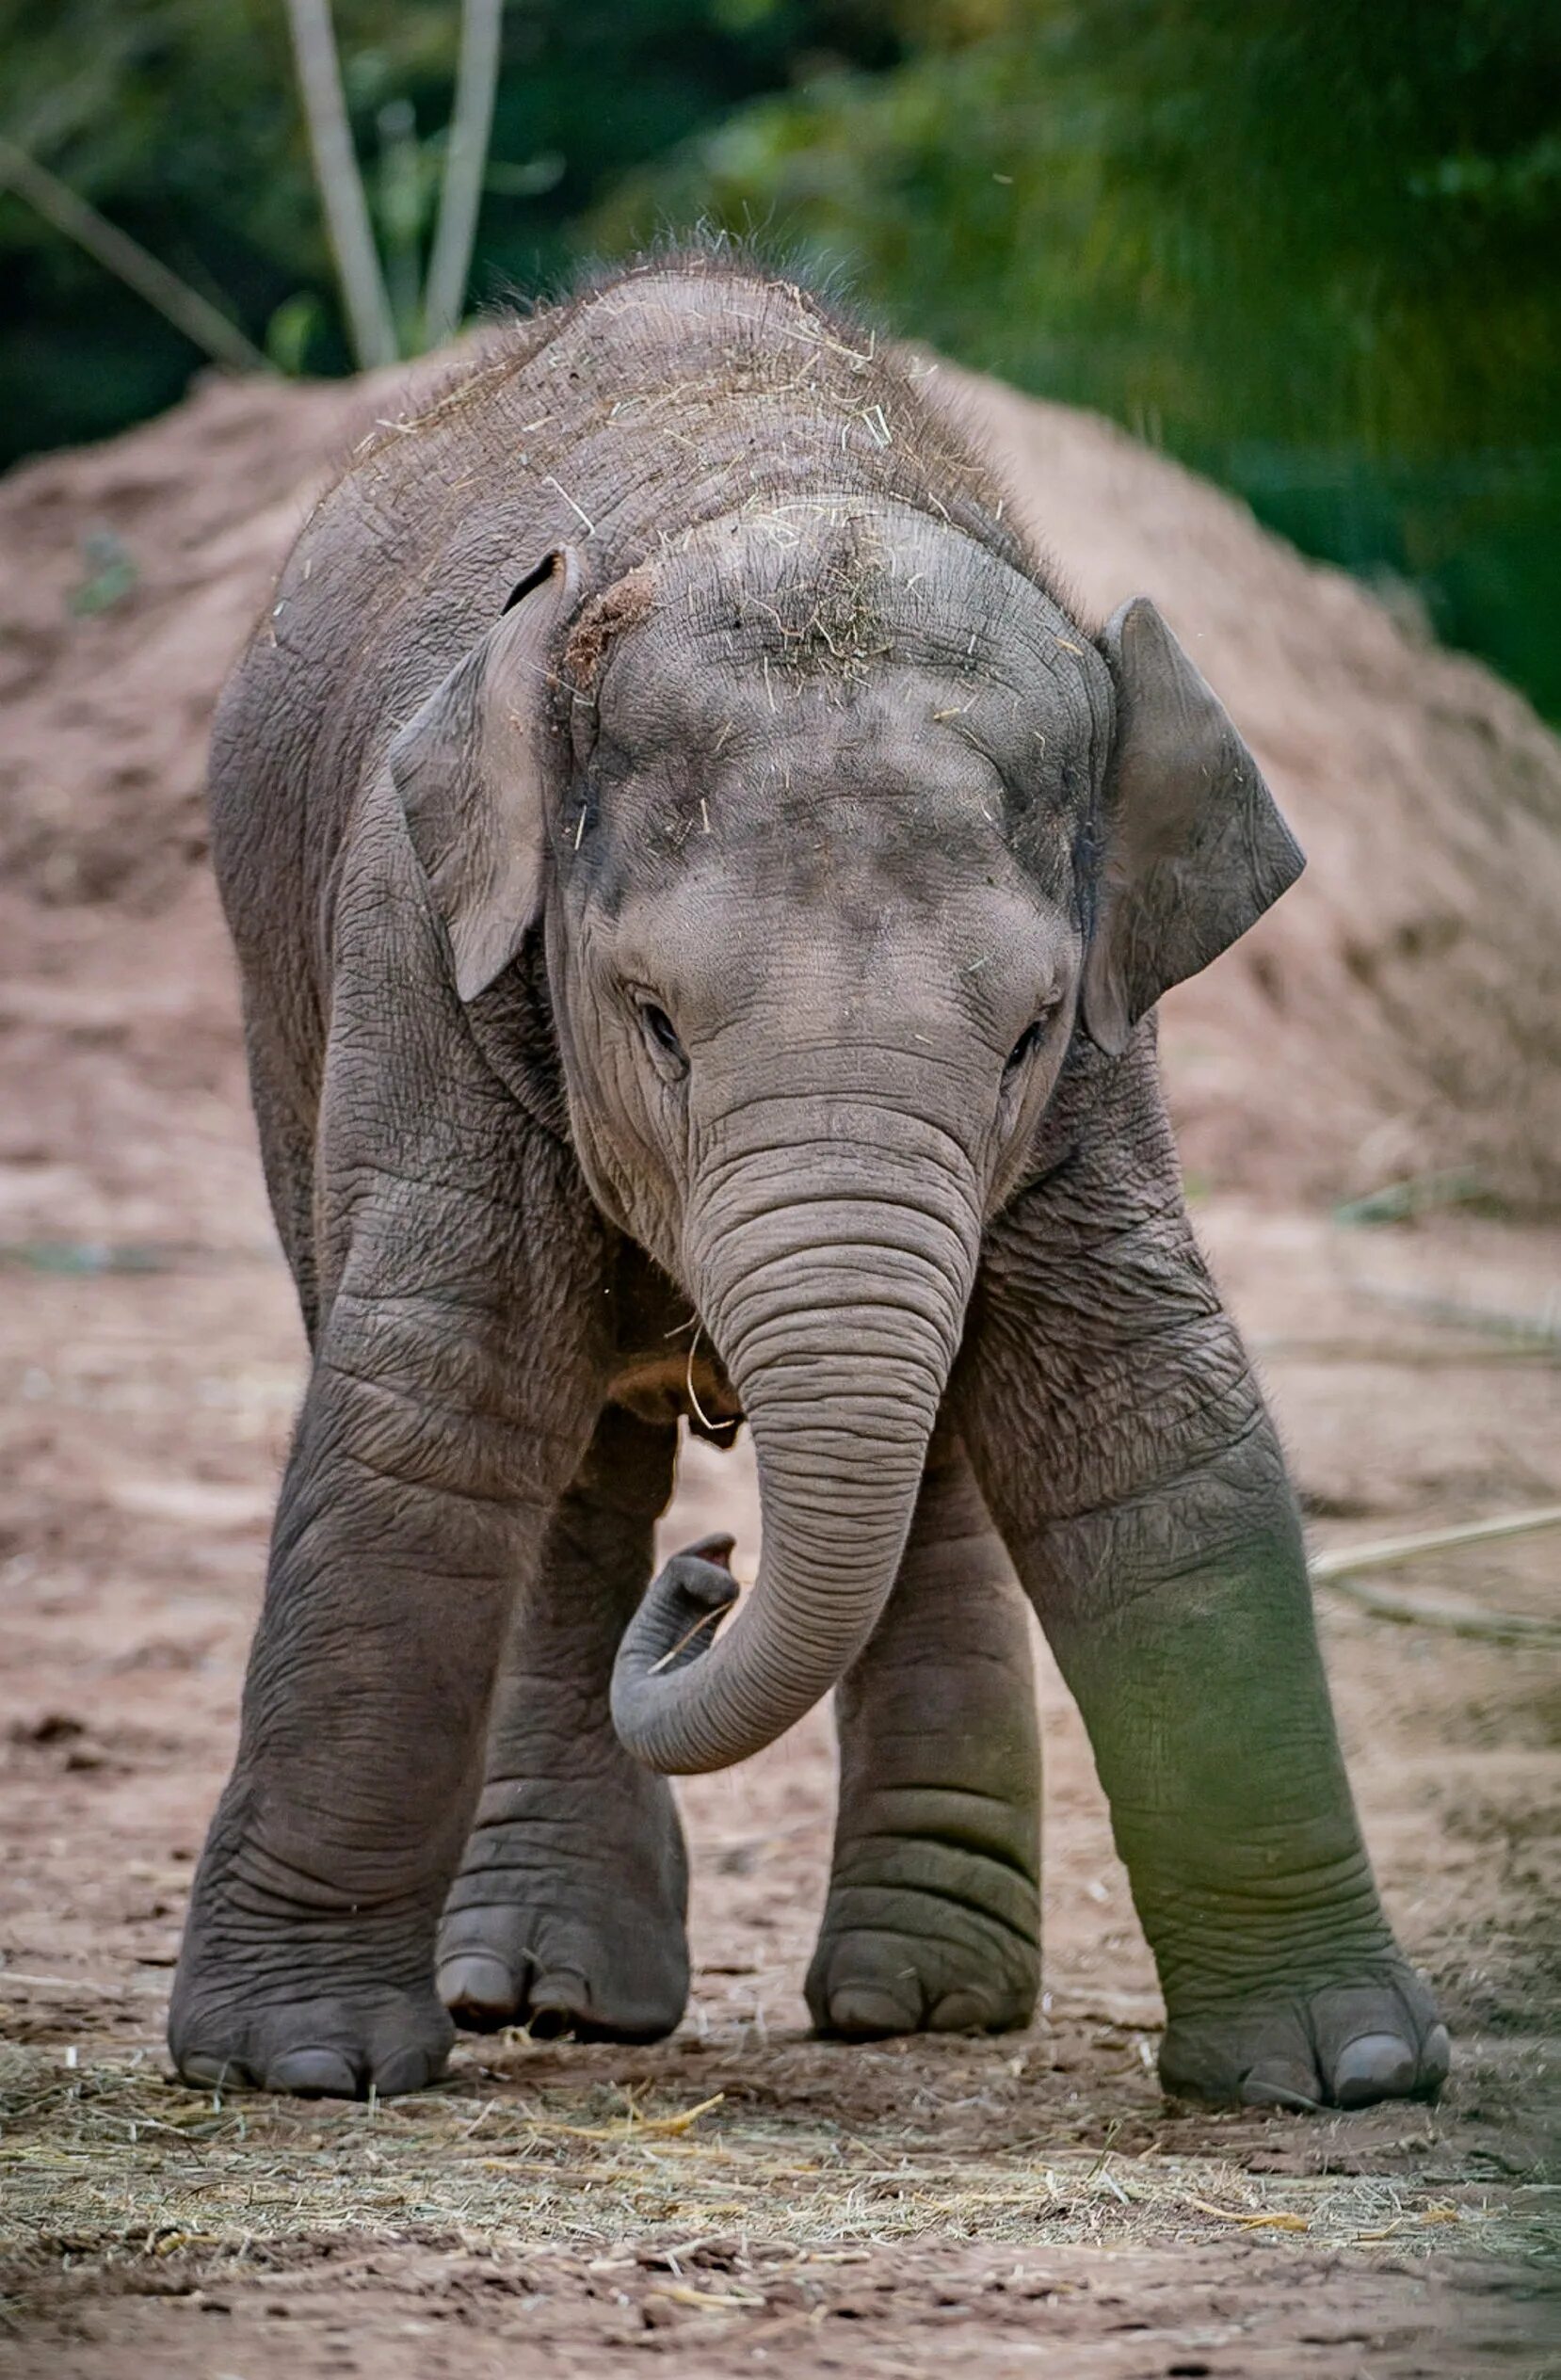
1022,2201
742,2198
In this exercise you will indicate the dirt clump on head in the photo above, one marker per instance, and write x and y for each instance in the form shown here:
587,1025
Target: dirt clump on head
1397,1016
618,607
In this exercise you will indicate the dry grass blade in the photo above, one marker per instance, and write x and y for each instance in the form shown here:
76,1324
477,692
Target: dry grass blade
1252,2219
708,2300
635,2127
706,1620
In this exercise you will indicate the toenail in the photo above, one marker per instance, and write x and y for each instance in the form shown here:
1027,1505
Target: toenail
316,2074
477,1980
403,2070
1435,2058
1280,2084
962,2012
563,1991
1375,2066
862,2008
212,2071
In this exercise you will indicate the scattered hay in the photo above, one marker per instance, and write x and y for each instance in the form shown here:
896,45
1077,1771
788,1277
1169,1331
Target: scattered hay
107,2163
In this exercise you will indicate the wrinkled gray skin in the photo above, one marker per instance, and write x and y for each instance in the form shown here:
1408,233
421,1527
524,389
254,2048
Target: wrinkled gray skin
700,899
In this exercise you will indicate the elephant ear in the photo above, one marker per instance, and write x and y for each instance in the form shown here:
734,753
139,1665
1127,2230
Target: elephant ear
470,772
1195,850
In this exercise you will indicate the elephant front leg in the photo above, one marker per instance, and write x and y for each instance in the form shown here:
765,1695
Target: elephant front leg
1198,1673
933,1920
1129,1462
568,1911
418,1490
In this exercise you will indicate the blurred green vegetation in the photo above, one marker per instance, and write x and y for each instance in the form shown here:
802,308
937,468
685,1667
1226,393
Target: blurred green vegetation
1308,246
1312,247
179,119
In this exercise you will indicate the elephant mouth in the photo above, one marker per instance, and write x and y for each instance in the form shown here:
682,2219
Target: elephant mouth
690,1385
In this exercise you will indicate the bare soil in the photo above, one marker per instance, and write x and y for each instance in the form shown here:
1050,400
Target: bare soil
742,2198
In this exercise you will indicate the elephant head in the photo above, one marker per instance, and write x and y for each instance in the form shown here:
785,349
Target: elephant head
840,829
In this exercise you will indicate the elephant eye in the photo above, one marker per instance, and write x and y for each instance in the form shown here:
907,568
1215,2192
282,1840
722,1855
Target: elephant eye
661,1037
1028,1041
1031,1038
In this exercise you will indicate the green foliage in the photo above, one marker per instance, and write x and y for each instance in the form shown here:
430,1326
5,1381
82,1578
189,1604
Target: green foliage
180,120
1308,244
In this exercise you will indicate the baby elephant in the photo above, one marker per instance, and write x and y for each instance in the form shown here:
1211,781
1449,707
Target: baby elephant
702,897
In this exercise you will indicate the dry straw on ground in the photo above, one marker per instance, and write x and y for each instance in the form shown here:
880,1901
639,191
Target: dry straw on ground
107,2160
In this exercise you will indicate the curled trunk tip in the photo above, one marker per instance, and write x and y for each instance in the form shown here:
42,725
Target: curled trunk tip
840,1383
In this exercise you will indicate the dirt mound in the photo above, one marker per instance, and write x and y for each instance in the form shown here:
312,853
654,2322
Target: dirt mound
1398,1016
1399,1013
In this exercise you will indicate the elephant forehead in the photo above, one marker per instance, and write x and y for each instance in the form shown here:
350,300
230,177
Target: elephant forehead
899,748
827,590
882,798
819,676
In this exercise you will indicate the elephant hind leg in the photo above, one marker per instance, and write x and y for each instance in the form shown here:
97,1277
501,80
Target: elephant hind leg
933,1917
568,1910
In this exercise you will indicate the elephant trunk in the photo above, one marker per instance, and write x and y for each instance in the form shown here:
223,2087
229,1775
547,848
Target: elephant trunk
838,1313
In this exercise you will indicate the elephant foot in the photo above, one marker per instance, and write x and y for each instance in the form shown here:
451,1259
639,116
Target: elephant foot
1345,2043
324,2037
936,1941
585,1940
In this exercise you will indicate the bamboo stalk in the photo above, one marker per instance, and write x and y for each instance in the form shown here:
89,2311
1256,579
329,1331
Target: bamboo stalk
1338,1572
1389,1552
471,125
370,323
1457,1619
204,325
